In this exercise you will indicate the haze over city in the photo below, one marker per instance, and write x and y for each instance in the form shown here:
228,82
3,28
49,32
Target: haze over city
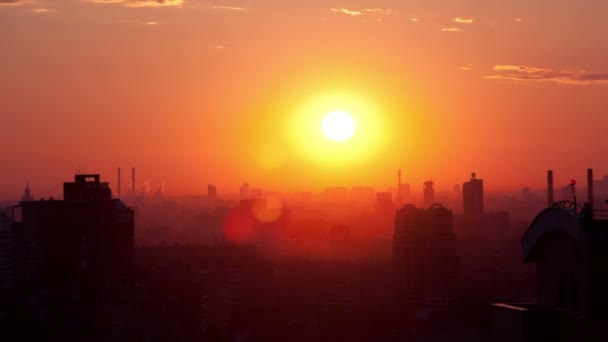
323,170
197,92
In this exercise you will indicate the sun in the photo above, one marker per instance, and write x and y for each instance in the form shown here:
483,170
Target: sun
338,126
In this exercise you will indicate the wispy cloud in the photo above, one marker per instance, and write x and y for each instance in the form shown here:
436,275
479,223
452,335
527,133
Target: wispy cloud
364,11
451,29
467,67
518,20
43,10
152,23
522,73
230,8
140,3
14,2
463,20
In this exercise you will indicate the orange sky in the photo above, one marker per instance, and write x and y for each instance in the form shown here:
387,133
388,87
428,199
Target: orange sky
190,92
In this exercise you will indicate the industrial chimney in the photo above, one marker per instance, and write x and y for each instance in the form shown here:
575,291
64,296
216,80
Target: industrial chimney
119,193
550,188
133,180
590,187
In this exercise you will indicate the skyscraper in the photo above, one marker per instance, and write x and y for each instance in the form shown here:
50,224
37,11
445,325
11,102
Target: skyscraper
429,193
244,191
425,257
27,194
73,262
472,196
211,193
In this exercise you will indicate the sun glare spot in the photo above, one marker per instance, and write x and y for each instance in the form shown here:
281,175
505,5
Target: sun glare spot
338,126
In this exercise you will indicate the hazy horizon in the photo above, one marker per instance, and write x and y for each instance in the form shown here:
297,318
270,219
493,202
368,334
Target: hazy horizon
225,92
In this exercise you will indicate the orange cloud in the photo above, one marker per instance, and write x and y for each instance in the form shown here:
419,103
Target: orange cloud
522,73
140,3
230,8
369,11
14,2
451,29
463,20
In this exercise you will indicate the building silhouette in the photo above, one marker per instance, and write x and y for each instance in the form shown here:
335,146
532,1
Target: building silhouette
425,258
211,193
6,272
27,194
339,240
72,262
429,193
472,196
569,248
244,191
384,204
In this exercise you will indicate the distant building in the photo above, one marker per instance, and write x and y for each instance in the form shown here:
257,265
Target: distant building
482,245
339,239
570,251
338,194
425,258
362,194
211,193
429,194
244,191
27,194
73,265
6,272
472,196
256,193
384,204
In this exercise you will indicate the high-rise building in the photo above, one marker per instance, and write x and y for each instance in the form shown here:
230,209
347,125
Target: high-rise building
27,194
472,196
73,264
384,204
569,249
6,271
339,240
244,191
429,194
211,192
425,257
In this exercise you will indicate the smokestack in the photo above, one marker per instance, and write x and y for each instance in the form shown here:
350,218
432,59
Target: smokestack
399,191
550,187
133,180
590,187
119,193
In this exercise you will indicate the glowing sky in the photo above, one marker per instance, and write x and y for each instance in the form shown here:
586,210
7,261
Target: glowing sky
196,92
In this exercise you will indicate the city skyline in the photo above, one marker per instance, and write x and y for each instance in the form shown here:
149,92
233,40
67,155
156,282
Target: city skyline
198,92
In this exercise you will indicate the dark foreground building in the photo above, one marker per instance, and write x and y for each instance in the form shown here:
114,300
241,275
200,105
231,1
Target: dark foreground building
72,264
425,258
570,250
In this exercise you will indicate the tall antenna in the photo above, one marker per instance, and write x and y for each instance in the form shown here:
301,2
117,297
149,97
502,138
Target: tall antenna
119,192
133,180
550,198
573,186
399,189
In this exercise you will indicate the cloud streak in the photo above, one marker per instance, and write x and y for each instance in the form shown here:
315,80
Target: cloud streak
522,73
451,29
364,11
140,3
230,8
14,2
463,20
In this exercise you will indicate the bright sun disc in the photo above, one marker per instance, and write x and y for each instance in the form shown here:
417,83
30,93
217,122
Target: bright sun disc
338,126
